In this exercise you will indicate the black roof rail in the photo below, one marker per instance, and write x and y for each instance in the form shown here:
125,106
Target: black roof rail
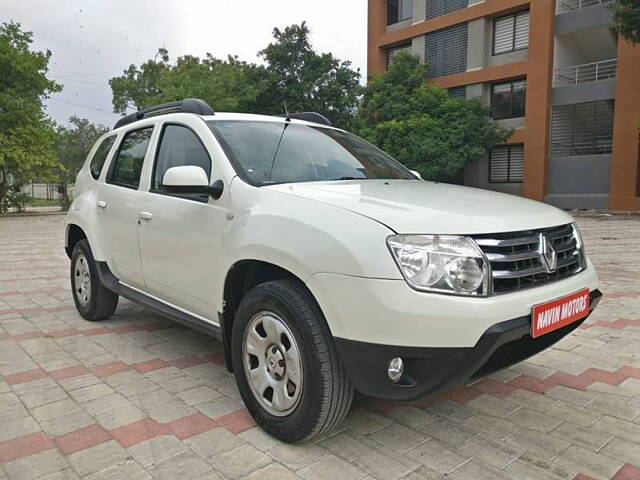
188,105
314,117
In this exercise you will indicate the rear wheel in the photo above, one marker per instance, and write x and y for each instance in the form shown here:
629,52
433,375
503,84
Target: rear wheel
286,365
93,300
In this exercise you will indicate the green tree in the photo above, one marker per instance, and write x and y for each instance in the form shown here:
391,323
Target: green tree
73,144
421,125
26,133
307,80
226,85
627,19
293,73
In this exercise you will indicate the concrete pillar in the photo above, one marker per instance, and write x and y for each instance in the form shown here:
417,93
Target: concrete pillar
376,56
539,86
417,46
625,159
419,11
476,44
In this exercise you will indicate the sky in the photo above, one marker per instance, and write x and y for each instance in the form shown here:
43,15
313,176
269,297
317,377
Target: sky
92,41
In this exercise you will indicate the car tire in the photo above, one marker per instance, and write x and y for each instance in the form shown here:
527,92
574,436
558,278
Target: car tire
93,300
286,311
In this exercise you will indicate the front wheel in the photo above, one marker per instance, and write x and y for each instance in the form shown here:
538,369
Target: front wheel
286,365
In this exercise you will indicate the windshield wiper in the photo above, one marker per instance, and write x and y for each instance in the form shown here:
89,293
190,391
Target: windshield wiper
348,178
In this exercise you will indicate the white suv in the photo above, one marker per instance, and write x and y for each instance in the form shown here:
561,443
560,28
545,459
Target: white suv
321,263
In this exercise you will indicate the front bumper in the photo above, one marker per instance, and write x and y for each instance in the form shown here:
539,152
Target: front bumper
431,370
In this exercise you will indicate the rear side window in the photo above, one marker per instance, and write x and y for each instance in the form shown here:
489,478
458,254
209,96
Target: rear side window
127,165
179,146
97,162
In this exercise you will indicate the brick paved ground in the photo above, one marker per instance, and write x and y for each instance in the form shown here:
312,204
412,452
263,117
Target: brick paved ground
137,397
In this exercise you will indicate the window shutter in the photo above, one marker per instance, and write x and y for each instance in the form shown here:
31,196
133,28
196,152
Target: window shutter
506,164
436,8
522,31
516,163
499,165
503,35
446,51
458,92
582,129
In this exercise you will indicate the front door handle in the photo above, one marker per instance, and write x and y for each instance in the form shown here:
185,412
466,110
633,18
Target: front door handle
101,204
145,215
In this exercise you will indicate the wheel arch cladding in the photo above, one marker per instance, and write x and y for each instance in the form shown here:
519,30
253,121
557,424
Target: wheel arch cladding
242,277
72,236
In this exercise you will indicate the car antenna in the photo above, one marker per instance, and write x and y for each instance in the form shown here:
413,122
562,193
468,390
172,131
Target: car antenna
286,111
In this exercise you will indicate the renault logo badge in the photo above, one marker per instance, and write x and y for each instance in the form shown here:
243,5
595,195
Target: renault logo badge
548,254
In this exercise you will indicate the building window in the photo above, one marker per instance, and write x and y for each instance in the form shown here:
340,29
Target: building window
506,164
511,33
436,8
508,99
393,51
458,92
399,10
446,51
582,129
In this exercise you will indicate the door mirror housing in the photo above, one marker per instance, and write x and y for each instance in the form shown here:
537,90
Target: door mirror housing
416,173
190,179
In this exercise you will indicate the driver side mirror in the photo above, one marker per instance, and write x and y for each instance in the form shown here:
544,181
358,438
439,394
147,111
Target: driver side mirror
189,179
416,173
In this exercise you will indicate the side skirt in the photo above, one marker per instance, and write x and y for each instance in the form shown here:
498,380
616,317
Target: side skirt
110,281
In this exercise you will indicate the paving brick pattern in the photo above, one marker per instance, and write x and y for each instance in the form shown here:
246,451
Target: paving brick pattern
137,397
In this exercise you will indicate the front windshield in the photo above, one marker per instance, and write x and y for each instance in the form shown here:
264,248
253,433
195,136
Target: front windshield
271,152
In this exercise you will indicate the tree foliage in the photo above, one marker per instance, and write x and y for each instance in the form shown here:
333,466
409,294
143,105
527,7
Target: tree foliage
26,133
72,145
293,73
421,125
306,80
226,85
627,19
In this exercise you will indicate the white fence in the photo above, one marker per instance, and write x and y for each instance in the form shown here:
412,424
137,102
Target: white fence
43,191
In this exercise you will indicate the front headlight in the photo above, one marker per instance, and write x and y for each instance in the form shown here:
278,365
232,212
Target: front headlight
441,263
579,245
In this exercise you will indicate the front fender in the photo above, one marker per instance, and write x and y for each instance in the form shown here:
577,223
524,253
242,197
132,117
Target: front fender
304,236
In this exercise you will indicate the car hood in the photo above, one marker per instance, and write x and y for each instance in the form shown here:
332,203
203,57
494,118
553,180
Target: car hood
416,206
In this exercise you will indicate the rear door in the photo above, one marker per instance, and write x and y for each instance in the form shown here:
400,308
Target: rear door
181,237
117,204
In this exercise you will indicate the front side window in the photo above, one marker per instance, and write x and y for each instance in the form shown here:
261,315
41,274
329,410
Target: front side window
179,146
399,10
506,164
270,152
511,33
508,99
97,162
127,166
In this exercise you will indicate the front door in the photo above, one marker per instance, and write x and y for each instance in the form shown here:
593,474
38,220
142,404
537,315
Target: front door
117,206
181,237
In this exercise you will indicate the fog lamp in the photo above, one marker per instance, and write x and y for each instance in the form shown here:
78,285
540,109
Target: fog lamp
396,367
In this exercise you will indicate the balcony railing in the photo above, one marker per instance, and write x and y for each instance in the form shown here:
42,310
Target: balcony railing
573,5
588,72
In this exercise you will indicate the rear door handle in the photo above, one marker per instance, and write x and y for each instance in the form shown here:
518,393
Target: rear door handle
101,204
145,215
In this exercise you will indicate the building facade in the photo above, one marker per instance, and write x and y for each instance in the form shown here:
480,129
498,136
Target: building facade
554,71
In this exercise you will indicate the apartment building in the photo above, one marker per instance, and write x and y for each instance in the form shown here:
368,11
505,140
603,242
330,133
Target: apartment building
554,71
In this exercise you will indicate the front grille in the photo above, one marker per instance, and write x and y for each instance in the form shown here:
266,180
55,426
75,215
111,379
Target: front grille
524,347
516,262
